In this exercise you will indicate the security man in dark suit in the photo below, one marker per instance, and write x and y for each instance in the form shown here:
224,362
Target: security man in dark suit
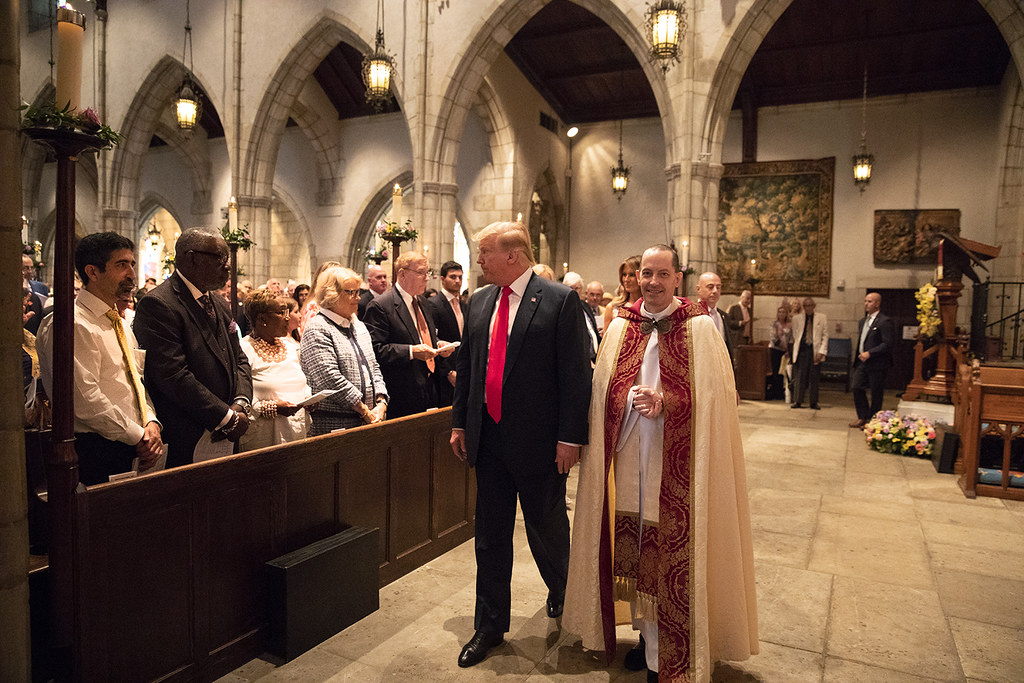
449,316
875,340
195,372
522,393
402,328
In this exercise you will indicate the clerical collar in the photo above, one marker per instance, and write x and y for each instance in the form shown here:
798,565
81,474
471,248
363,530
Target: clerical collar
335,318
667,311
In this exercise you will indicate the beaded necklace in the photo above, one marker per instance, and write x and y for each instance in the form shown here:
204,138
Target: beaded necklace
271,352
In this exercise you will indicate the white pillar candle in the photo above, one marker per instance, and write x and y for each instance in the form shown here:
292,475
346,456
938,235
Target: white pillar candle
396,205
686,254
70,32
232,214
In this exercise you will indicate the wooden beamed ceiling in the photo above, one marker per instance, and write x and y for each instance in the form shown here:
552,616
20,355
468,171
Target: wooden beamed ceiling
815,52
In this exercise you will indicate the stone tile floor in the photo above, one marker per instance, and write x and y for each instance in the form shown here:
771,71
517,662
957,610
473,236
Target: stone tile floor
870,567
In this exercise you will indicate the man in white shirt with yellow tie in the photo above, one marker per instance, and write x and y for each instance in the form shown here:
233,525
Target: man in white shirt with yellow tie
114,419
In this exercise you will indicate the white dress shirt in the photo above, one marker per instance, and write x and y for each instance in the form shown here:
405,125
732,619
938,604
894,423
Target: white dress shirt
102,392
864,332
407,300
518,287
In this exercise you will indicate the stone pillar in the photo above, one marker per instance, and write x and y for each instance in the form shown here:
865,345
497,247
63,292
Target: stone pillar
256,262
438,211
702,220
122,221
15,660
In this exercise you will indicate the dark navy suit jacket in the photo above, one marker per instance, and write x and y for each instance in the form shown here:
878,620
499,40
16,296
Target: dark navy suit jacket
547,377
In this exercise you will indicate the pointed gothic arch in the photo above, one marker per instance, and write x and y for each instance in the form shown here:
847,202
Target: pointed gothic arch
142,121
489,36
282,91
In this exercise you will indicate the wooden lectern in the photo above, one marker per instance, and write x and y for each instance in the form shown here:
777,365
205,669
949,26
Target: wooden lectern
956,258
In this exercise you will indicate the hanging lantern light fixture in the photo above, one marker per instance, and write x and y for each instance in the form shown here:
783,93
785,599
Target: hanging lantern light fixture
862,161
666,23
154,233
620,173
187,107
378,67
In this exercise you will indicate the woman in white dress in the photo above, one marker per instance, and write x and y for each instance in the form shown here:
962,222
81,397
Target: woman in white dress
278,382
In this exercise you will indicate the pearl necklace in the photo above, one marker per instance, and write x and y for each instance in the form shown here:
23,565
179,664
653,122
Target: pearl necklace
270,352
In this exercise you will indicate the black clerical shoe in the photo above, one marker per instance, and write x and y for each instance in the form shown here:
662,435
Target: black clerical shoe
555,605
652,676
815,406
636,659
477,648
795,405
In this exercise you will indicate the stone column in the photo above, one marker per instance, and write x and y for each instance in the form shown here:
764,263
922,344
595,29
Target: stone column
122,221
703,215
256,262
15,660
438,211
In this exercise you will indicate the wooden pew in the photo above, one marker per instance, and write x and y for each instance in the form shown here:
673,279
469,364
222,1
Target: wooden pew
169,568
990,402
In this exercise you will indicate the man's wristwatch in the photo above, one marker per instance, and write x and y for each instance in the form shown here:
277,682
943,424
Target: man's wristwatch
247,408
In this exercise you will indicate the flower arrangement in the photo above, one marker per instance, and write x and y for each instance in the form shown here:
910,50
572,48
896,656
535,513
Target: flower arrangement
35,250
374,255
887,432
390,231
239,237
88,121
927,314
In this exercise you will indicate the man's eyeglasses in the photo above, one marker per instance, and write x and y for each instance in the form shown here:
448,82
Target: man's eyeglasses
222,258
423,272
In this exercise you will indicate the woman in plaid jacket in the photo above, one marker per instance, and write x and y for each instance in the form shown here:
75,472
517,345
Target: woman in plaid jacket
337,353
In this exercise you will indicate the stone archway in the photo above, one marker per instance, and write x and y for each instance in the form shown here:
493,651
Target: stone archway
150,104
281,94
291,249
364,227
489,38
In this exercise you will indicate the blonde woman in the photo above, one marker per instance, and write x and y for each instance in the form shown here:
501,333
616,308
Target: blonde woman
337,353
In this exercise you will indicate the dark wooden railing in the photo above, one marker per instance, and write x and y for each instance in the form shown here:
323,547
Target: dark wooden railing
997,321
169,568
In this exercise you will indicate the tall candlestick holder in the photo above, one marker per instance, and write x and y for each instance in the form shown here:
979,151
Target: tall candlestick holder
62,477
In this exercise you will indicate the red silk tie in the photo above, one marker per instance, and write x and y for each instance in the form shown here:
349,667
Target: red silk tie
496,358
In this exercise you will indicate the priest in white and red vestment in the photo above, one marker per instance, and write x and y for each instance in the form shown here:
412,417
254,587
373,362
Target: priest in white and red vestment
662,519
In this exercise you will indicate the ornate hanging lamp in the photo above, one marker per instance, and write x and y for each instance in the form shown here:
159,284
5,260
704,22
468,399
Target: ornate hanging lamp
666,23
378,66
620,173
187,107
862,161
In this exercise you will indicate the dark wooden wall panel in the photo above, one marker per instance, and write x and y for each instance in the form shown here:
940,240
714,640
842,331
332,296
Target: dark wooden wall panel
239,540
361,479
311,506
170,567
144,571
410,511
450,490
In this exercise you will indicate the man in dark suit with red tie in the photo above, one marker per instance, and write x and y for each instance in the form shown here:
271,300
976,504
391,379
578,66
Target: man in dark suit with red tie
404,341
195,371
522,394
449,317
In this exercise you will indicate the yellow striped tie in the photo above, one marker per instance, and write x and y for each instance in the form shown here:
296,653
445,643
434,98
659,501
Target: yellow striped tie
129,362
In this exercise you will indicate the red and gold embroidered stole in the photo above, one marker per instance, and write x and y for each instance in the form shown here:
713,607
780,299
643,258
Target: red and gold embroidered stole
661,569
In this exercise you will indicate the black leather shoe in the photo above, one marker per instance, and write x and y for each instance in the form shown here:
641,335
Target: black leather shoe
815,406
795,405
652,676
477,648
555,606
636,659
